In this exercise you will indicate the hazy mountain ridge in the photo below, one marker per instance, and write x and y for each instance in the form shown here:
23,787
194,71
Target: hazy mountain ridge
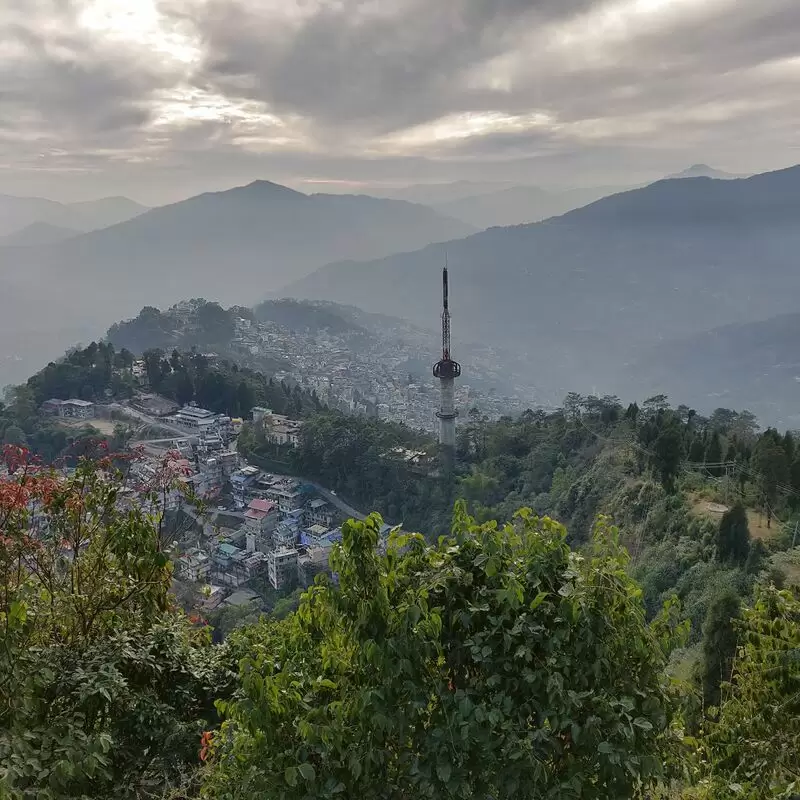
17,213
38,233
232,246
583,294
753,365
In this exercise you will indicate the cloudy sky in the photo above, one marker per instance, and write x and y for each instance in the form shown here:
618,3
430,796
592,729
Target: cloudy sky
160,99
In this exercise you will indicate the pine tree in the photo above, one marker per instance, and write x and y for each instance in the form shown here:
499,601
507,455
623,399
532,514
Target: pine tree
733,536
719,645
714,453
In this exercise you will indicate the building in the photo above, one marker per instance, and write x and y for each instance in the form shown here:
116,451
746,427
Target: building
242,483
282,568
194,565
320,512
281,430
260,521
200,419
70,409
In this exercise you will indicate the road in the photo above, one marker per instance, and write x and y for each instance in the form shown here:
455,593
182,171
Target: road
180,433
335,500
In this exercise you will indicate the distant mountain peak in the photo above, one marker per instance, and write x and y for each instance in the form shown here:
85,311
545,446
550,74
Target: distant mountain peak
263,186
704,171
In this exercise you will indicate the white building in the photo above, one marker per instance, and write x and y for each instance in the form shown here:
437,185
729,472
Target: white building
200,419
282,567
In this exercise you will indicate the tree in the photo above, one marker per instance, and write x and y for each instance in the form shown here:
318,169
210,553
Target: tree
494,663
15,435
751,751
668,454
713,455
719,645
104,688
733,535
697,450
772,467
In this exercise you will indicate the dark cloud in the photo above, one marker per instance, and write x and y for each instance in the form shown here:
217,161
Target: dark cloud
567,91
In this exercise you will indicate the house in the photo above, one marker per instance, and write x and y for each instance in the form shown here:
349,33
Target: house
71,409
215,595
243,597
194,565
260,521
320,512
282,568
242,483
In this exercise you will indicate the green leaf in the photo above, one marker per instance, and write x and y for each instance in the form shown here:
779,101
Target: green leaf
443,771
290,776
641,722
538,600
307,771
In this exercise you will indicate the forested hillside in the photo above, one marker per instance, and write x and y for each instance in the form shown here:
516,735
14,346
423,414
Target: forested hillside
500,662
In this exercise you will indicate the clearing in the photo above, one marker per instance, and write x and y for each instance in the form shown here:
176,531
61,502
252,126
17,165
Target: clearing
756,520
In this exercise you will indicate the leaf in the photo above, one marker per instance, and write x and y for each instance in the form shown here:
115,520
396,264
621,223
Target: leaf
307,771
444,770
641,722
605,747
538,600
290,776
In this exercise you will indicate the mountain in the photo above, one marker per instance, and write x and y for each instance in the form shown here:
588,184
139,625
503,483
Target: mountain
38,233
108,211
753,365
17,213
518,205
581,295
232,246
704,171
431,194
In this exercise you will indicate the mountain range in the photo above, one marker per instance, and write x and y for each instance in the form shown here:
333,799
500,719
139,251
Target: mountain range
233,246
584,295
17,213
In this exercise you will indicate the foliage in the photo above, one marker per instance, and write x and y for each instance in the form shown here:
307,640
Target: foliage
733,536
104,689
222,386
493,663
719,645
751,752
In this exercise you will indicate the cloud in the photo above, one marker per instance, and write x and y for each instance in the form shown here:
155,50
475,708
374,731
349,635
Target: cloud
368,89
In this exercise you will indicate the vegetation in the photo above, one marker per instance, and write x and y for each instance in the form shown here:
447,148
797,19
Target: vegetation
104,688
223,386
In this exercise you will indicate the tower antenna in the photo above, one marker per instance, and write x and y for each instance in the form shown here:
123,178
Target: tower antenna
447,371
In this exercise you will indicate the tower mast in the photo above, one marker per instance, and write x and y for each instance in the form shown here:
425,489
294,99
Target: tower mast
447,371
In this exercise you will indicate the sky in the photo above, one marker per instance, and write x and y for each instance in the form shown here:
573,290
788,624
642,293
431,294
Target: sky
162,99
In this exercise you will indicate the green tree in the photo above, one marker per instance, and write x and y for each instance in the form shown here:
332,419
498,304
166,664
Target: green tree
719,645
733,535
15,435
751,752
772,468
495,663
714,454
104,689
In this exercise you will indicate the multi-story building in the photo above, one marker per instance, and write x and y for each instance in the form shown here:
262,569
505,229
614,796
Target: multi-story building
320,512
70,409
282,568
242,483
260,521
194,565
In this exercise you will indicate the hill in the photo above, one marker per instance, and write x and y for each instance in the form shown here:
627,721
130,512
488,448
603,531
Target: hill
582,294
108,211
38,233
518,205
233,246
754,365
17,213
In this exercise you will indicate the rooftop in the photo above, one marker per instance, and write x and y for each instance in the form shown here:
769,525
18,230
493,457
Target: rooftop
262,505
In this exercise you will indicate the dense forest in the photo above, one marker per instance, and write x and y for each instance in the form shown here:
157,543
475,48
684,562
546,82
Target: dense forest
223,386
498,662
